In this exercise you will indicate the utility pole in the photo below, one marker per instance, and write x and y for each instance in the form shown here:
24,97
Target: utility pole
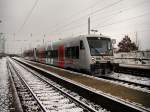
43,39
4,44
1,42
30,44
136,40
89,26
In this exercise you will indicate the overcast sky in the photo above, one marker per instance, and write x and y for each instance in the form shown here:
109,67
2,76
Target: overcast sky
26,23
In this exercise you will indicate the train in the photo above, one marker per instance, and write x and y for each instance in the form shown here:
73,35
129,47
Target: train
92,54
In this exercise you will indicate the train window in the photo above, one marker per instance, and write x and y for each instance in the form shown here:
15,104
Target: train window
53,53
72,52
77,52
42,54
67,52
46,53
37,53
100,46
81,45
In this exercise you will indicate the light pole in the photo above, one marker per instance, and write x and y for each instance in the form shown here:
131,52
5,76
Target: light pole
89,26
44,39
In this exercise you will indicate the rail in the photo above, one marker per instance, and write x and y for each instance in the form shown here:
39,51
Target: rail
106,101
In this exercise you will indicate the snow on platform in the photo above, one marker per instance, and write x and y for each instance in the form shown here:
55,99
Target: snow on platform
4,87
135,66
140,58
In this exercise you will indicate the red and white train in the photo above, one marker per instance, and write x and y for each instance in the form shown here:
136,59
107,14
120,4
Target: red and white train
89,53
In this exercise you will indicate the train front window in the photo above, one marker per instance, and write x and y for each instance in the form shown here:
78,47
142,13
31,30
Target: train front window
99,46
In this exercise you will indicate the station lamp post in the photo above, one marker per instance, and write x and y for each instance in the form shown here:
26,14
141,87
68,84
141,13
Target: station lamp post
93,30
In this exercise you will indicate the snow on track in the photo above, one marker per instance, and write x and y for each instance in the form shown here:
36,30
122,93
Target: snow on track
48,96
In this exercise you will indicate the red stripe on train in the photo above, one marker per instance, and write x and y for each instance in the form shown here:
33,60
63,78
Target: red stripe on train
61,56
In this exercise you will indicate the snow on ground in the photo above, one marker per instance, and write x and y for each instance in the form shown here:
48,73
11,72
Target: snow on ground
131,78
140,55
4,87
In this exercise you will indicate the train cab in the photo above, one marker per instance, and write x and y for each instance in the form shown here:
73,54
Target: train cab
101,54
95,54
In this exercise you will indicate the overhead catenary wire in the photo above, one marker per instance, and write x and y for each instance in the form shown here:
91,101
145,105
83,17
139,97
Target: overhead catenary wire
78,26
124,20
77,13
108,18
96,11
121,11
35,3
28,16
69,24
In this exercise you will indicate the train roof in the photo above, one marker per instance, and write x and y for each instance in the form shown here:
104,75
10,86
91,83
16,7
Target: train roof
69,39
81,36
93,35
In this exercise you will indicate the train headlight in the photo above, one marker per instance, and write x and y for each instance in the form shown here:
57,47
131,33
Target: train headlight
93,59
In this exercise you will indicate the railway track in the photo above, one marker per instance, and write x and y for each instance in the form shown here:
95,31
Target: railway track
46,95
134,71
25,101
108,102
130,84
127,83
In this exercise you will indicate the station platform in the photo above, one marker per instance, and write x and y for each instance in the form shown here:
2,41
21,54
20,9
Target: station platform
134,69
118,91
137,66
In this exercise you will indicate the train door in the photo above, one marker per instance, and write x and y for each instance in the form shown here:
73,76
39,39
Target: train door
82,55
35,54
51,58
61,56
46,55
